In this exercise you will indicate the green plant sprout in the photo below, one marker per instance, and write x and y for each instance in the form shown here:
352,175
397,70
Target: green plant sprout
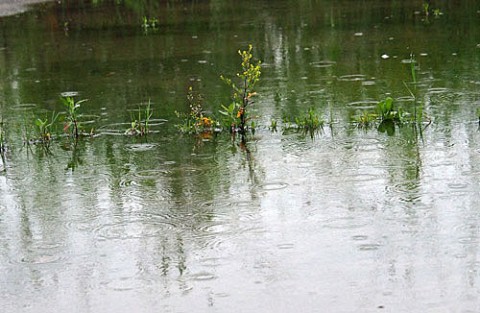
418,115
230,116
236,113
44,128
365,119
426,7
141,126
386,112
273,125
437,13
72,123
148,23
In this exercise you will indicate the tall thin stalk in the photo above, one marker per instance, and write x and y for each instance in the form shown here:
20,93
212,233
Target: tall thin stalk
242,95
2,138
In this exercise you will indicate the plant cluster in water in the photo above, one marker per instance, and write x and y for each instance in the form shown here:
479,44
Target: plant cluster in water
309,123
140,126
386,114
235,116
72,123
45,128
196,121
149,23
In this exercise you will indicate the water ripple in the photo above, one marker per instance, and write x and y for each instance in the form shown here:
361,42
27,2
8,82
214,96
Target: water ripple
201,276
214,223
352,78
369,247
364,104
345,223
323,64
39,259
151,174
273,186
134,229
140,147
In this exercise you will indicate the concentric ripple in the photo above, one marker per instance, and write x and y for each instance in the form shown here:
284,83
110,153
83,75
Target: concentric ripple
134,229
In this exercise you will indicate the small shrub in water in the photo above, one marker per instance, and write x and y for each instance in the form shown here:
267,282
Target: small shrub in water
236,113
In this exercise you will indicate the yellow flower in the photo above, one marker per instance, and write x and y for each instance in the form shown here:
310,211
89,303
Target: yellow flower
240,113
206,122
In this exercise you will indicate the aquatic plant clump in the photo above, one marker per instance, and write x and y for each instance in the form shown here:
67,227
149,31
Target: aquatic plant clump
45,127
233,116
72,123
149,23
309,123
195,121
140,125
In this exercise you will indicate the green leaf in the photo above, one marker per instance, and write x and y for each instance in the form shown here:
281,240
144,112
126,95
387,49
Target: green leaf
388,104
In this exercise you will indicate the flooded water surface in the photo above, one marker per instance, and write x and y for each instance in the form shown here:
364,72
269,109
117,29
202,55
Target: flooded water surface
356,218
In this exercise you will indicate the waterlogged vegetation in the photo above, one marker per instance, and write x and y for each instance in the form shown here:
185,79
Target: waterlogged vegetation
140,123
196,120
45,128
243,92
72,122
310,123
234,117
388,114
149,24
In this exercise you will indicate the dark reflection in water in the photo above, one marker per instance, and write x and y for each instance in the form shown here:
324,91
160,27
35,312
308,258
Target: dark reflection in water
351,220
